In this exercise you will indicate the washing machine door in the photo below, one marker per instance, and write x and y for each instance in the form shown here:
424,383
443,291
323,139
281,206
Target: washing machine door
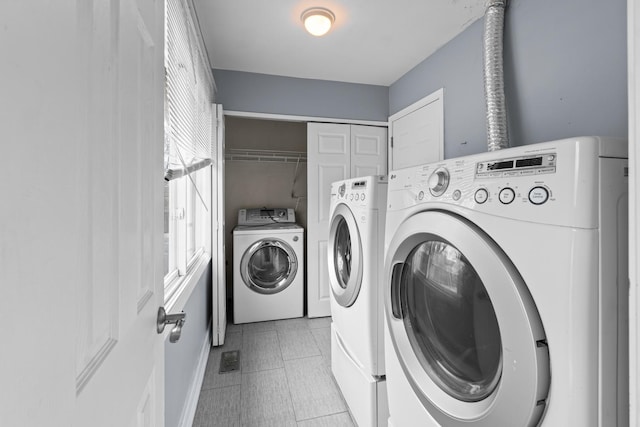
344,256
463,325
269,266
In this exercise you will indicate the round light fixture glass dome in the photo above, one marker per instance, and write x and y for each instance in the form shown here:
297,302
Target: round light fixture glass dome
318,20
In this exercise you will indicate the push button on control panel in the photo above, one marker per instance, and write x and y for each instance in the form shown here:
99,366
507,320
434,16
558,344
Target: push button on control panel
507,195
538,195
481,196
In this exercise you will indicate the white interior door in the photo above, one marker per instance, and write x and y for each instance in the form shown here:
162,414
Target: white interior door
328,160
82,217
368,151
417,133
219,285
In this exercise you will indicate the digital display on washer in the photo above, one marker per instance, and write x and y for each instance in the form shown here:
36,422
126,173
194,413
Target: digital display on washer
500,165
525,165
359,184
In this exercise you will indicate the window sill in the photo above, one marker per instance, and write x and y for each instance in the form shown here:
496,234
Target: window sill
183,286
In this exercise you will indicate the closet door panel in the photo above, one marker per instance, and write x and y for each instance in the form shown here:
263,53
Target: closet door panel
368,151
328,160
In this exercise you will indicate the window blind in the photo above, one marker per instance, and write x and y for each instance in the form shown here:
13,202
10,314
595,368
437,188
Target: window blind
189,95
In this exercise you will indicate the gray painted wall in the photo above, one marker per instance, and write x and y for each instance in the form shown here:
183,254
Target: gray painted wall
262,93
565,75
181,358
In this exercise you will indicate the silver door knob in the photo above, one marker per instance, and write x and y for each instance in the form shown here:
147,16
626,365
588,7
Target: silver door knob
177,319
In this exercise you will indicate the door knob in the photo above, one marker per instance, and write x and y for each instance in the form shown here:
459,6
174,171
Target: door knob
177,319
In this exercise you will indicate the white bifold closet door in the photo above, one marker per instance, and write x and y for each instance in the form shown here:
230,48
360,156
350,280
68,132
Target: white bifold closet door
334,152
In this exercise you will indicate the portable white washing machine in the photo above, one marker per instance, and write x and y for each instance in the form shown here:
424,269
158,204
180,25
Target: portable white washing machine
268,268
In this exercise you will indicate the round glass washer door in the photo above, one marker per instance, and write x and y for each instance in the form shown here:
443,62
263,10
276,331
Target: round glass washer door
464,325
269,266
344,256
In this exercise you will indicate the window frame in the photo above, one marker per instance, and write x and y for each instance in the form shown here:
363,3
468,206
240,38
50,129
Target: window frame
190,202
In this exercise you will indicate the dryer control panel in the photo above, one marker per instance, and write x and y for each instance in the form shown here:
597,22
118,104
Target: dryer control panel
515,167
537,183
358,191
257,216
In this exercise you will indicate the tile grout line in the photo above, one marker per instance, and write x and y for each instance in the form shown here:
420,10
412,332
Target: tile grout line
241,374
313,341
284,367
303,357
325,416
295,415
262,370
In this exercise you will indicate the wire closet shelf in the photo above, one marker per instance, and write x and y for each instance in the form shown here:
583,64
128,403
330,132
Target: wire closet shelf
249,155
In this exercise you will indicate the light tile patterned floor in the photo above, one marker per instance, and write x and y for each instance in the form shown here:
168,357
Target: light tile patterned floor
284,379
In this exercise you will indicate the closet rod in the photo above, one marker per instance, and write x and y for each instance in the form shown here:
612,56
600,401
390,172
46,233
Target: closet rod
265,155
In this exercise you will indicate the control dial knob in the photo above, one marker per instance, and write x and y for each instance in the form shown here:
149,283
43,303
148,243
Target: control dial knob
342,189
439,181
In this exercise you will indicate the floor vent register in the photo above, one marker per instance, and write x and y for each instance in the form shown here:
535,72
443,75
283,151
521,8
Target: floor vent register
229,361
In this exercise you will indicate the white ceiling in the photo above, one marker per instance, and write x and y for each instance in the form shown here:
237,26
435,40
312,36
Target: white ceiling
372,41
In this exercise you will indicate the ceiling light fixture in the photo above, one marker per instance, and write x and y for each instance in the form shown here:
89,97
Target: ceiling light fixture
318,20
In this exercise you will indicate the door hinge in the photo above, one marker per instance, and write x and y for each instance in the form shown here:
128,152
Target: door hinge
391,142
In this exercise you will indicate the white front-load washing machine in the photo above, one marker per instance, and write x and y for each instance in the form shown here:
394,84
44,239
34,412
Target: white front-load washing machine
356,263
268,268
506,288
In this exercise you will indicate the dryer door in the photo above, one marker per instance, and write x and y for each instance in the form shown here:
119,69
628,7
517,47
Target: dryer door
463,325
269,266
345,256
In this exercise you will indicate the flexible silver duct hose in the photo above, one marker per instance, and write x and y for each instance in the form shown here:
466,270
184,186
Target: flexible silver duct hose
497,136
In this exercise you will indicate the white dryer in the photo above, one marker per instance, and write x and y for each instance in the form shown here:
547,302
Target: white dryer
506,288
356,263
268,269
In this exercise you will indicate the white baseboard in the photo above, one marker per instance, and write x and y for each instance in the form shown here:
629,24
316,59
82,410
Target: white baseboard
191,402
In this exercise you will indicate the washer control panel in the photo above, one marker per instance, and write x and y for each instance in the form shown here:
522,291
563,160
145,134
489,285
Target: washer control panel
259,216
357,191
